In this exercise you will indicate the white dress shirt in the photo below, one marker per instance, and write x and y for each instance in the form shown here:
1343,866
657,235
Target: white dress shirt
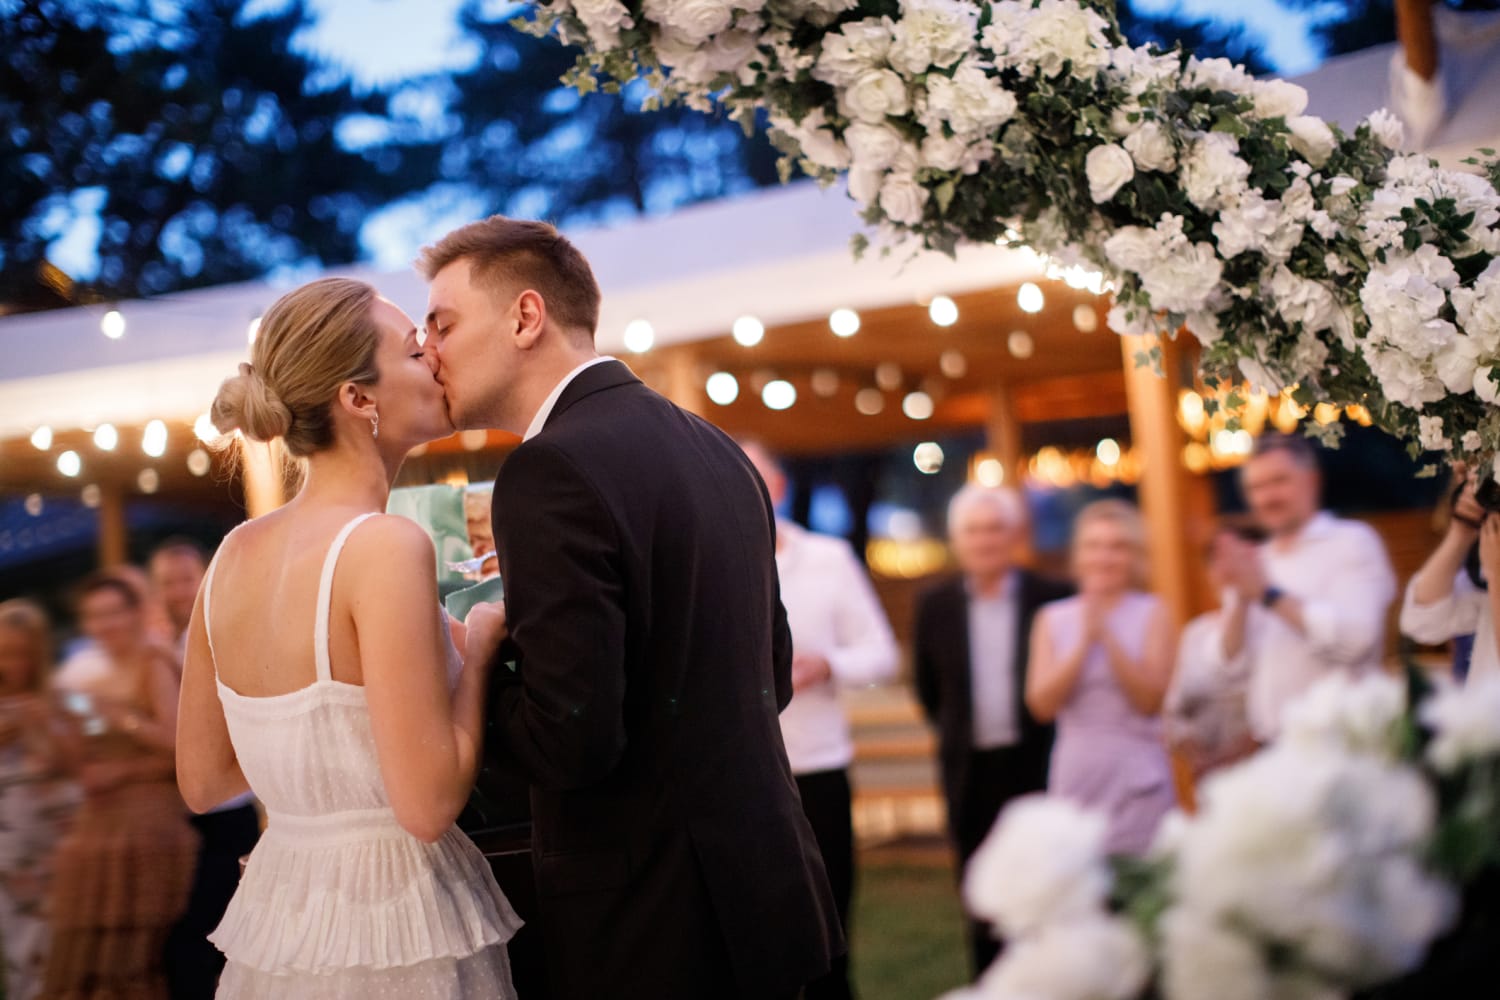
992,666
1465,611
1339,573
540,420
1205,703
833,612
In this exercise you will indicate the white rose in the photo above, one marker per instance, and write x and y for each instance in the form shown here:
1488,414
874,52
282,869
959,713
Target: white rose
1212,172
1218,74
1130,248
1041,864
874,146
1150,146
1109,168
932,33
1386,128
694,21
1047,37
874,96
1312,138
689,61
1278,99
1256,223
822,12
1456,364
952,153
902,199
816,139
1357,715
853,50
1183,281
604,19
1471,442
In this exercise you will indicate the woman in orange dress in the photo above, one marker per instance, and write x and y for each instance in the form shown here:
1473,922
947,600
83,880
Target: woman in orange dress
123,873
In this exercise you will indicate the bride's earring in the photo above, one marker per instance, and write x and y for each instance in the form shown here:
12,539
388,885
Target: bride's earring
375,425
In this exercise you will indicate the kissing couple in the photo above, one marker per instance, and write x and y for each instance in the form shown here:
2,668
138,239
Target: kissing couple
642,616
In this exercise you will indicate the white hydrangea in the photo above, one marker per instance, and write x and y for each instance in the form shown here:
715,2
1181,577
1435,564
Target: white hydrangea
971,102
932,33
1218,74
1387,129
1184,280
954,153
1314,851
1403,296
1358,715
874,96
1430,434
1404,379
1465,723
854,50
1151,147
1108,168
1045,38
1478,308
1308,303
1264,225
1204,960
1139,70
819,12
1471,441
1213,174
604,20
1093,958
1043,863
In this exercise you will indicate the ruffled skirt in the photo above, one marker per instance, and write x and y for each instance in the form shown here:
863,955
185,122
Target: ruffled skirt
349,905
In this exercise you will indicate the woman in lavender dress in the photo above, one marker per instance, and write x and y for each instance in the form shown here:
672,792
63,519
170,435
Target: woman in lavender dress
1100,665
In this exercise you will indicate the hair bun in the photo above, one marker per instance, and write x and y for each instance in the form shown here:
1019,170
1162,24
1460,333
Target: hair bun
246,403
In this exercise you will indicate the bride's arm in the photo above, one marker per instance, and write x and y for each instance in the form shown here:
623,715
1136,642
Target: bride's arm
208,773
428,742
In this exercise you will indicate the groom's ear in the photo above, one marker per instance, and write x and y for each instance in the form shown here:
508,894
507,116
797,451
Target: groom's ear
530,317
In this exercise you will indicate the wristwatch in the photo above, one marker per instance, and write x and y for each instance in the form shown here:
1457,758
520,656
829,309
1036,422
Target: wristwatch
1271,596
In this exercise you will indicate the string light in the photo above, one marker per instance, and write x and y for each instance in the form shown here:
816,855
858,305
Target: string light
844,322
990,472
154,439
639,336
928,458
112,324
41,438
106,437
943,311
69,464
748,331
917,405
723,388
204,429
779,394
1030,298
869,401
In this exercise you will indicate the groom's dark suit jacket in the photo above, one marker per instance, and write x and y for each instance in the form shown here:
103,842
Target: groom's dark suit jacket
672,856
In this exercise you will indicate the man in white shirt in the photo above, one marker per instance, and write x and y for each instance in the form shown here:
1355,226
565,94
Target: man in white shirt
971,649
229,831
1317,590
840,638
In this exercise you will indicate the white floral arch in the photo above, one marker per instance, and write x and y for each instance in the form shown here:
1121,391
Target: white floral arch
1295,253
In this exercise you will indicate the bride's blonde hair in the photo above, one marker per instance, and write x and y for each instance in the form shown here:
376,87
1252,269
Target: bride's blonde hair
311,341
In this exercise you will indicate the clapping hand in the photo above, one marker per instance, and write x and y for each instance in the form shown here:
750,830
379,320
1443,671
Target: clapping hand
1468,515
1489,549
809,670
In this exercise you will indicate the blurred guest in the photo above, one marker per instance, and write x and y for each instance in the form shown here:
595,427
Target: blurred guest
477,513
1101,665
1318,589
176,570
840,637
123,873
1450,595
226,833
1205,711
36,797
971,653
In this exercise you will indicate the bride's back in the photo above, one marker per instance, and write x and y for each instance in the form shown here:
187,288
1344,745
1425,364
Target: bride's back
264,603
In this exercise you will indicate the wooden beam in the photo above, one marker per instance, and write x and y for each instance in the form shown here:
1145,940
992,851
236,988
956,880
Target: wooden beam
114,538
1164,481
1002,433
683,384
263,467
1418,40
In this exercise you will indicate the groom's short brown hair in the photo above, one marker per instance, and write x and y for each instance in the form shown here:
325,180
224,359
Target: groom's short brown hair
506,253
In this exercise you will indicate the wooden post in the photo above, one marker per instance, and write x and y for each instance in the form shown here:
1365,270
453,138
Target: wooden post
1418,42
683,385
114,538
1002,432
262,466
1164,480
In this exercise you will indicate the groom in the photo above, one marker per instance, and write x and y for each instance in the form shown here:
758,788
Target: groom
638,549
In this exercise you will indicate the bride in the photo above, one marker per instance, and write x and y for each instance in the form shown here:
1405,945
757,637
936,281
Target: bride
323,675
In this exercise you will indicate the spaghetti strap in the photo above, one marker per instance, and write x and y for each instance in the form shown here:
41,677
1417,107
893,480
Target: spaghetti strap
325,598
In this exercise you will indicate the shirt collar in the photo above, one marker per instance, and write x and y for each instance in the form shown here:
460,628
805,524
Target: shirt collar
1007,588
540,420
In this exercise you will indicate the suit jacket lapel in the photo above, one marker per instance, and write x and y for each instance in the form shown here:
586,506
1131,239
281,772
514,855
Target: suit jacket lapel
960,663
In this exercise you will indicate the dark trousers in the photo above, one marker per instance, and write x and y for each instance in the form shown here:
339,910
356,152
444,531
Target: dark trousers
193,965
994,778
825,800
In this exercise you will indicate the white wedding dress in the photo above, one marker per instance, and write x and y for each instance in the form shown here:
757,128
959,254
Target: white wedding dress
337,900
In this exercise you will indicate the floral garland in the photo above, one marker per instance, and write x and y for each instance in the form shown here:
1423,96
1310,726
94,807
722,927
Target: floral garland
1331,863
1298,255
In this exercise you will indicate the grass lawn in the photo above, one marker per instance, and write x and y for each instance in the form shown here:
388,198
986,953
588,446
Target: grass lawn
908,933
